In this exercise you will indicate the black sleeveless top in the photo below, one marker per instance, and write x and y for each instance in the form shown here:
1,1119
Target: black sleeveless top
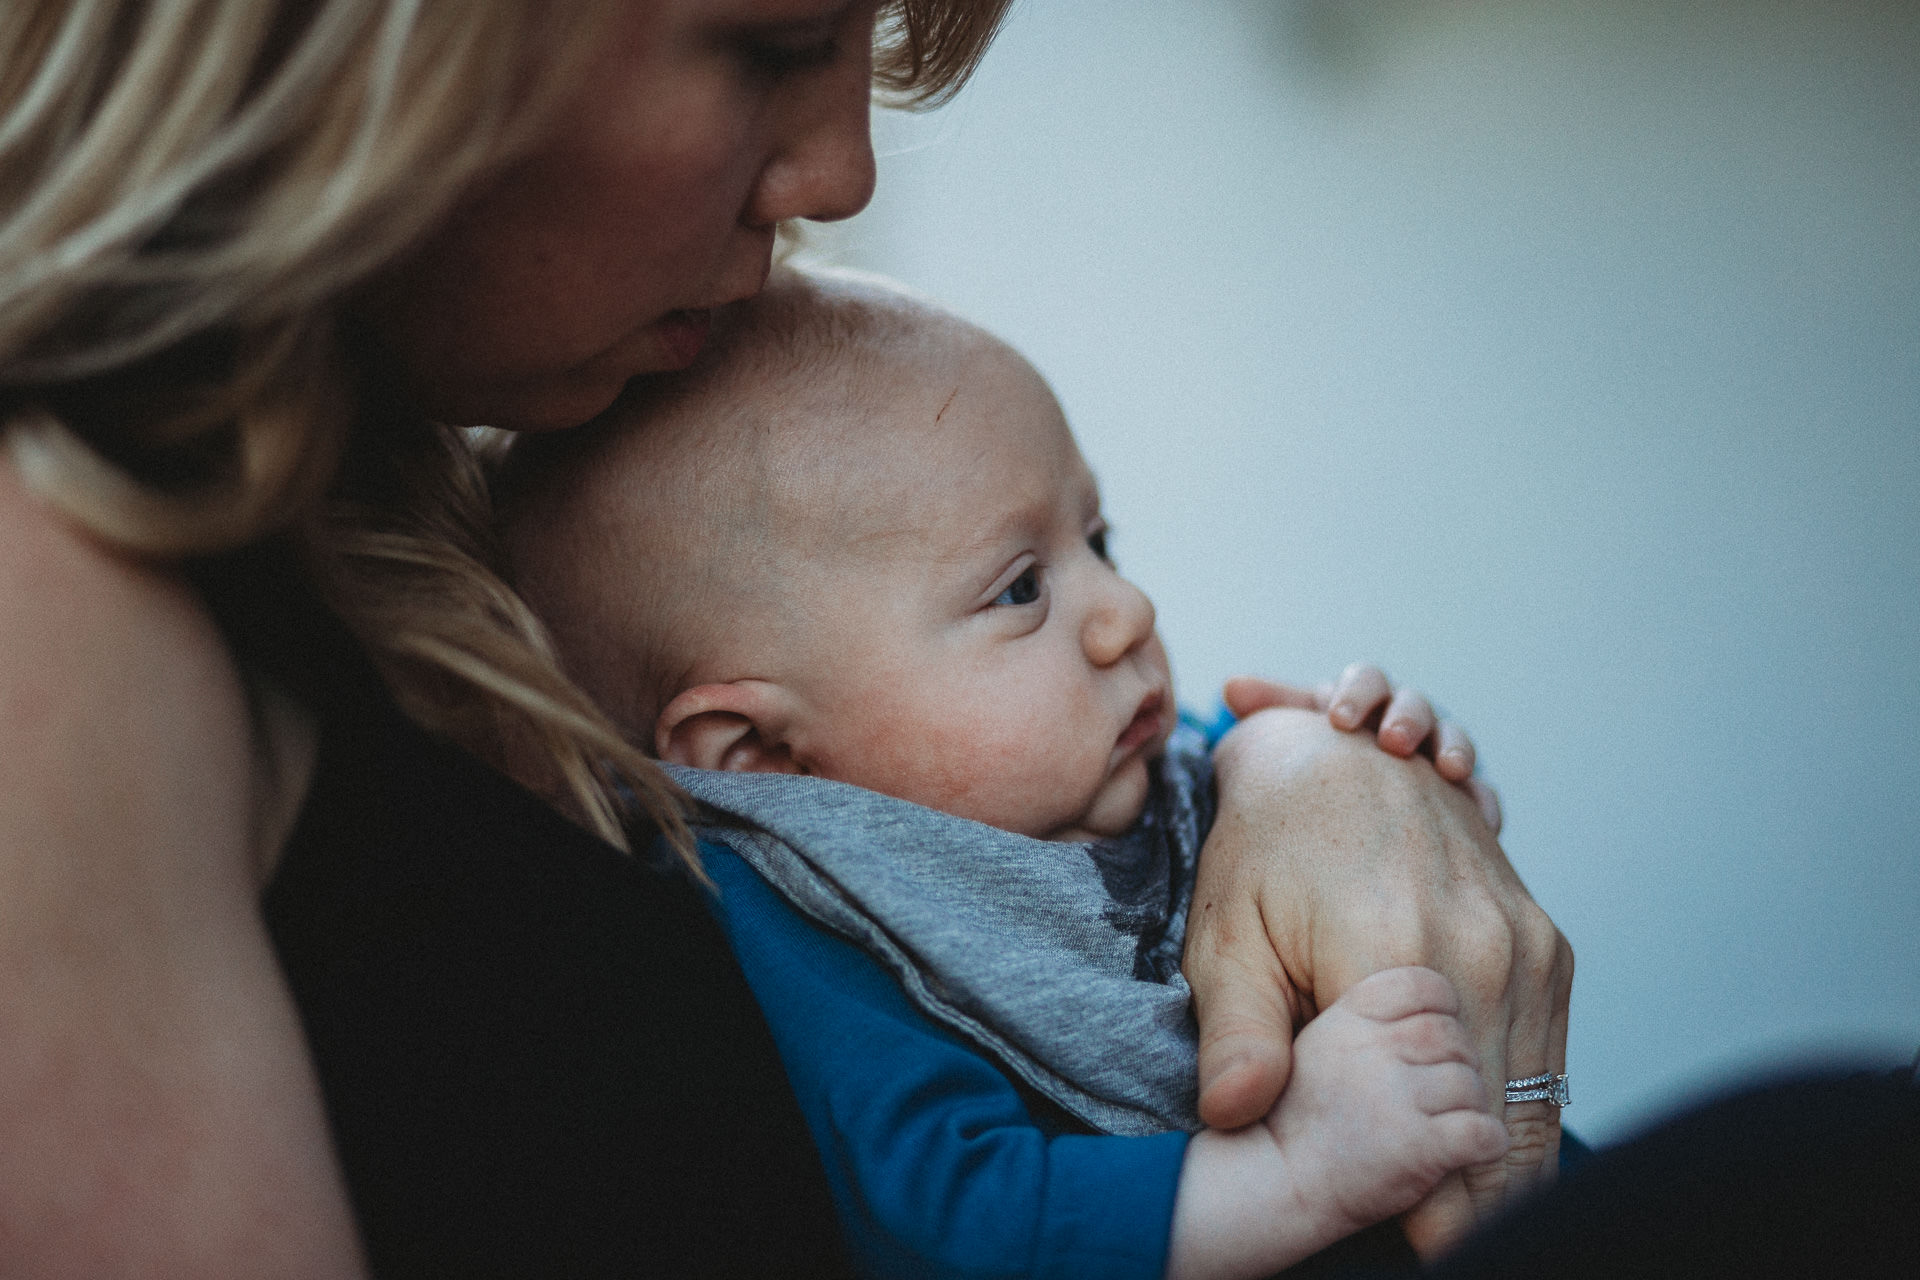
538,1056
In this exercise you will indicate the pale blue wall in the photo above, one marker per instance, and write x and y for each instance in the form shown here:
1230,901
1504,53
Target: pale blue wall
1565,358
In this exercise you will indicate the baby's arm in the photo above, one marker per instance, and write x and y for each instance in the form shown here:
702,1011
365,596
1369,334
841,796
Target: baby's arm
938,1168
1384,1101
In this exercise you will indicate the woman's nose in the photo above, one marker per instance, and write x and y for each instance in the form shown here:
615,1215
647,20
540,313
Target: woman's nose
822,166
1118,623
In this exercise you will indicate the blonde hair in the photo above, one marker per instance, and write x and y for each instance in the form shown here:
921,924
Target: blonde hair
187,190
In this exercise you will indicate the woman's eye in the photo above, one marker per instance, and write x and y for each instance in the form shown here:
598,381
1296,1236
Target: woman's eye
776,58
1097,542
1024,589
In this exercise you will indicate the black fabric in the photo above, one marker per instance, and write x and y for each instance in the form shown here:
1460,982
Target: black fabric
538,1057
1805,1178
1381,1252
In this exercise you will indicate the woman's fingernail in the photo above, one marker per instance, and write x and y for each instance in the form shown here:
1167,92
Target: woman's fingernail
1345,713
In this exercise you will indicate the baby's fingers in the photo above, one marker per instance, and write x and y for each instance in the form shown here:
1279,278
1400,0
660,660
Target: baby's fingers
1465,1137
1451,1086
1429,1039
1392,994
1245,695
1453,754
1409,721
1360,691
1489,801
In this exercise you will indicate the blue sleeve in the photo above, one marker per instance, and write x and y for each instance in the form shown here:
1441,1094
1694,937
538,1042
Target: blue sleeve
936,1165
1212,727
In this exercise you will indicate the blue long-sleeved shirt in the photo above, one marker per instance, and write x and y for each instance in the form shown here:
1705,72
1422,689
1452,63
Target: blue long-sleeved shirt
936,1164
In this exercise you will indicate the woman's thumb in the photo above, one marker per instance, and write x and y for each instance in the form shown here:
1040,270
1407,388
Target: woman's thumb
1246,1030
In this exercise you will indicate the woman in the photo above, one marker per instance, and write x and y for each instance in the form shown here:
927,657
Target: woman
248,252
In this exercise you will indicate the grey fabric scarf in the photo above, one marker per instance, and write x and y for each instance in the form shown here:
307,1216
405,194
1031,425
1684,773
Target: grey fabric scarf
1060,961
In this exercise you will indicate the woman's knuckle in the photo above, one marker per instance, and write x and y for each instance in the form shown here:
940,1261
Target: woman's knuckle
1539,932
1537,966
1402,936
1487,943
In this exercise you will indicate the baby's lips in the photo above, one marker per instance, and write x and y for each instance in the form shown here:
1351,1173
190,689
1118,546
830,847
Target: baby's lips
1146,724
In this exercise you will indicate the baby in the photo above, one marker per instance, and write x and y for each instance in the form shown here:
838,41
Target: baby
857,544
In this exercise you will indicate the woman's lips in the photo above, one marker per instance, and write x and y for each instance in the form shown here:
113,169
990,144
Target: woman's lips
682,334
1146,724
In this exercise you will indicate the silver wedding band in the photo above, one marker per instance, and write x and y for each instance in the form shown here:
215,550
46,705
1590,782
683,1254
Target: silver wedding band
1550,1087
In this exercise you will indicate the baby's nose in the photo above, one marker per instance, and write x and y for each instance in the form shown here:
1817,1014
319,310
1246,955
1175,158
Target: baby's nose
1119,622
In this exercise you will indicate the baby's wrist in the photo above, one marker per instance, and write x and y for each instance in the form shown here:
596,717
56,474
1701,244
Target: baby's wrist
1242,1211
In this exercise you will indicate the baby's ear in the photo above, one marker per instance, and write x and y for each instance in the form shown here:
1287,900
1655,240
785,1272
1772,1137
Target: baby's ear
739,727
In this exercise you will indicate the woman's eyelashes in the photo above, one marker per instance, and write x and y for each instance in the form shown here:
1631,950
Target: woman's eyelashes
776,58
789,49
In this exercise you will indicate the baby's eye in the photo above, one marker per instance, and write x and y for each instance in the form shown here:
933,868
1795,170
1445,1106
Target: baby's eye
1024,589
1097,542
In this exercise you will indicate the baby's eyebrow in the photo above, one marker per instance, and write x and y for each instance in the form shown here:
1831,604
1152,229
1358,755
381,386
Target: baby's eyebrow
1011,527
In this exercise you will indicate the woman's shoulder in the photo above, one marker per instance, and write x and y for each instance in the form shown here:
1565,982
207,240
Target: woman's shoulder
116,683
131,957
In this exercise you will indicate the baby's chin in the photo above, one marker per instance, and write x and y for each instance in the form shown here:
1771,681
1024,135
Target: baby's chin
1114,809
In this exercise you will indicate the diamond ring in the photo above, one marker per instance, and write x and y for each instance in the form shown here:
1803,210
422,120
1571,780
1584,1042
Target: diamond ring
1550,1087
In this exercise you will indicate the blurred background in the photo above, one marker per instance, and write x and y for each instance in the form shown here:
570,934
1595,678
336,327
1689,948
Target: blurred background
1564,359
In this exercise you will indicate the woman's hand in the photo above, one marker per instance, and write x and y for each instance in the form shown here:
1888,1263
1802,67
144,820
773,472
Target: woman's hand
1404,722
1331,860
1383,1104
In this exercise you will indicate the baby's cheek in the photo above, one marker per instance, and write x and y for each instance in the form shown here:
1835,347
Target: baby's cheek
1006,772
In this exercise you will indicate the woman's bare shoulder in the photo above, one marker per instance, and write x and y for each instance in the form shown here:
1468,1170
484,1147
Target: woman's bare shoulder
110,672
157,1112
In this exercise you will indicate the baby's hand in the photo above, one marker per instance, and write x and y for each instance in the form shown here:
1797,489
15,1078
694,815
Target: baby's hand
1384,1101
1404,722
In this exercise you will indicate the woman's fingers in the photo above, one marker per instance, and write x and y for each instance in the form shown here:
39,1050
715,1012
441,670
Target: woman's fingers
1245,1059
1536,1043
1439,1222
1536,997
1241,998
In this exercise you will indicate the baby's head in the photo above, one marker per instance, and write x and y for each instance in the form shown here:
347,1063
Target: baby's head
856,540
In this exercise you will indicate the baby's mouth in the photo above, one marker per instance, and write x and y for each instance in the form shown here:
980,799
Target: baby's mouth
1146,724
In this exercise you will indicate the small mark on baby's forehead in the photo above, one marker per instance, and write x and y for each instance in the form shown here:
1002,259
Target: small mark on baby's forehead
947,404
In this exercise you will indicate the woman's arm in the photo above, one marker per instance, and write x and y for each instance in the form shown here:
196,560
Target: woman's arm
157,1112
1329,861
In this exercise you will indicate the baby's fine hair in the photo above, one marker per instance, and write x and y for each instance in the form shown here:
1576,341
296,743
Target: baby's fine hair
642,536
